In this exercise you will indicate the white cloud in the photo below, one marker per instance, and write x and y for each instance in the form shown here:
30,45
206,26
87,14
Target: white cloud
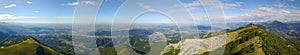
10,6
231,5
28,2
5,16
284,6
279,11
83,2
286,11
147,7
193,4
89,2
73,3
267,14
12,17
197,3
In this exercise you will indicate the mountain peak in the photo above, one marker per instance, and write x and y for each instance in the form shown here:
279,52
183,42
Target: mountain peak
276,22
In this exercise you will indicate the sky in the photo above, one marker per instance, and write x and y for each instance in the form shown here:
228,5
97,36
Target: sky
62,11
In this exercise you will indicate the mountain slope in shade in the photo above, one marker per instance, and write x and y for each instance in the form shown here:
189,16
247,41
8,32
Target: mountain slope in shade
28,46
288,29
248,40
3,35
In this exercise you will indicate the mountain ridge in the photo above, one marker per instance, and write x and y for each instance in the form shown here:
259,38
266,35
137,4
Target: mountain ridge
248,40
28,46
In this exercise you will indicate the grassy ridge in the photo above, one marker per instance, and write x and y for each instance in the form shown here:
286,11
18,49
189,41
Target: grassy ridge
29,46
252,40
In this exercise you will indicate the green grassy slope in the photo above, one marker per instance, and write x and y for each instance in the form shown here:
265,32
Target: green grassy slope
29,46
251,40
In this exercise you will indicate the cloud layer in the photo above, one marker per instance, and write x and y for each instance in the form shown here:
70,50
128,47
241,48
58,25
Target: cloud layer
261,13
6,17
268,14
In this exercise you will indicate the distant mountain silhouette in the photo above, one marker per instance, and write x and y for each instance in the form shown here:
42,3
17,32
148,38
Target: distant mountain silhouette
291,30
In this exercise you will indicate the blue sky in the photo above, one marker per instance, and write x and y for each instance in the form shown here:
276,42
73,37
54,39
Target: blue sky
62,11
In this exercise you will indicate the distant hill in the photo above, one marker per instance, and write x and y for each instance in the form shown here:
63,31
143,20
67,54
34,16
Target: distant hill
291,30
3,35
203,27
28,46
248,40
10,41
10,29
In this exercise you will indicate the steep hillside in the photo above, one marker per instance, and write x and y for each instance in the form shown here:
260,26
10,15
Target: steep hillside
28,46
248,40
255,41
